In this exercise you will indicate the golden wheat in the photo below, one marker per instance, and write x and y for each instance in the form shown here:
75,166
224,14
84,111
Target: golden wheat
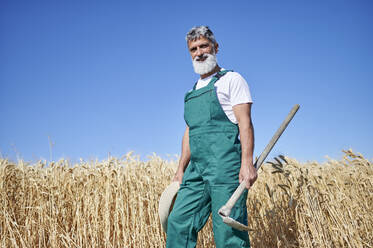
113,203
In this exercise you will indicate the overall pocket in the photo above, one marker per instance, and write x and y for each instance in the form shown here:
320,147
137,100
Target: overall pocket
197,109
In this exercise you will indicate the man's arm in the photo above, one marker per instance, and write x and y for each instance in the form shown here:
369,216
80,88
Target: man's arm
185,157
246,129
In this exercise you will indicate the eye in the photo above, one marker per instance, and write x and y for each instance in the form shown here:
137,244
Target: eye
193,49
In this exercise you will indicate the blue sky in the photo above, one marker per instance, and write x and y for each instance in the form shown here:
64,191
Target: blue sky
100,77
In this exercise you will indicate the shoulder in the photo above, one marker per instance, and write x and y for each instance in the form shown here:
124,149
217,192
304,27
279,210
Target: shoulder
233,75
235,79
239,91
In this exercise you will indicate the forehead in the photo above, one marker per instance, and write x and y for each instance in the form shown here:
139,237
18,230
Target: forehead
198,42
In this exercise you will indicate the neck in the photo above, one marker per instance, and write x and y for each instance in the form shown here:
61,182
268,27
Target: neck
215,70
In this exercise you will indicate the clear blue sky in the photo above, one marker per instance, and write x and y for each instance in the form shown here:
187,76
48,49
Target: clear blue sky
101,77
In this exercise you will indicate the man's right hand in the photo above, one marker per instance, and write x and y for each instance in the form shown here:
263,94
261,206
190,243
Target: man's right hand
178,176
184,159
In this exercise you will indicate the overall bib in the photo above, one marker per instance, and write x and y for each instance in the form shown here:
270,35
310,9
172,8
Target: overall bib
211,176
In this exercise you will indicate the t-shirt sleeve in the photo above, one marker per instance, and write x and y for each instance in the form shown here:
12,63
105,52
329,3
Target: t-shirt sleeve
239,90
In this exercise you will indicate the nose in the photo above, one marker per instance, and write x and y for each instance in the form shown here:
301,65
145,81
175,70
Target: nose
199,51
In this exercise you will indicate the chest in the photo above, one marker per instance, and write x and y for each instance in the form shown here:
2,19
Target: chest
222,90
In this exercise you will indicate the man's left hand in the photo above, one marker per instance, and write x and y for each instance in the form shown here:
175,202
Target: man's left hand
248,174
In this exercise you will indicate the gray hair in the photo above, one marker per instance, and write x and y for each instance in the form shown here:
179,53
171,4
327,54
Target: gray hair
198,31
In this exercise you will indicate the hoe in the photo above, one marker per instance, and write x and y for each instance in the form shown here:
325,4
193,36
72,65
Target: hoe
225,210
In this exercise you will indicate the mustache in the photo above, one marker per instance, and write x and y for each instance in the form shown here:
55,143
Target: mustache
201,57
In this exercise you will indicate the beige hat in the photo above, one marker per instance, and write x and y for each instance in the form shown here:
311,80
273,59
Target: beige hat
166,203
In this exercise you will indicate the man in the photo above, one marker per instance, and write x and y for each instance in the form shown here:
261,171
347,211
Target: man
217,149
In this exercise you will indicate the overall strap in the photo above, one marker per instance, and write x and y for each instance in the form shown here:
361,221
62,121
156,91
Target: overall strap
215,78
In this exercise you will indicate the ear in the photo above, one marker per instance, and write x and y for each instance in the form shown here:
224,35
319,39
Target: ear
216,47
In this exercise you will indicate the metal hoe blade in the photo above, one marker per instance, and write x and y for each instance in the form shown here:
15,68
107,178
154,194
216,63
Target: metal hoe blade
225,210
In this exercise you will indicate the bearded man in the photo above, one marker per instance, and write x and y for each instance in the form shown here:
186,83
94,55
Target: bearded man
217,149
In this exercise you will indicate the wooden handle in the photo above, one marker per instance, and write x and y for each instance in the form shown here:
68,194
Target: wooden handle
238,192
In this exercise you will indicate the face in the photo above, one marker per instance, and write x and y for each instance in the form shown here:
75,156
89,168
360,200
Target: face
203,55
198,48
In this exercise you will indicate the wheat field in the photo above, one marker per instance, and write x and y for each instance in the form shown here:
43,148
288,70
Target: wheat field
114,203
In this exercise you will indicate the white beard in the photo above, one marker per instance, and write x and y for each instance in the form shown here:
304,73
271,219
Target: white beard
204,67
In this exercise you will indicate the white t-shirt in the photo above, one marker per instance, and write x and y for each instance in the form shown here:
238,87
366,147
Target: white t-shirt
231,89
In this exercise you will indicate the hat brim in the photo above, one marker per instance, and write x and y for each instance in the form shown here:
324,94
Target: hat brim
166,203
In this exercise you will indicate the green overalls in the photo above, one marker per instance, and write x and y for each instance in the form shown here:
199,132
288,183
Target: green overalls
211,176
